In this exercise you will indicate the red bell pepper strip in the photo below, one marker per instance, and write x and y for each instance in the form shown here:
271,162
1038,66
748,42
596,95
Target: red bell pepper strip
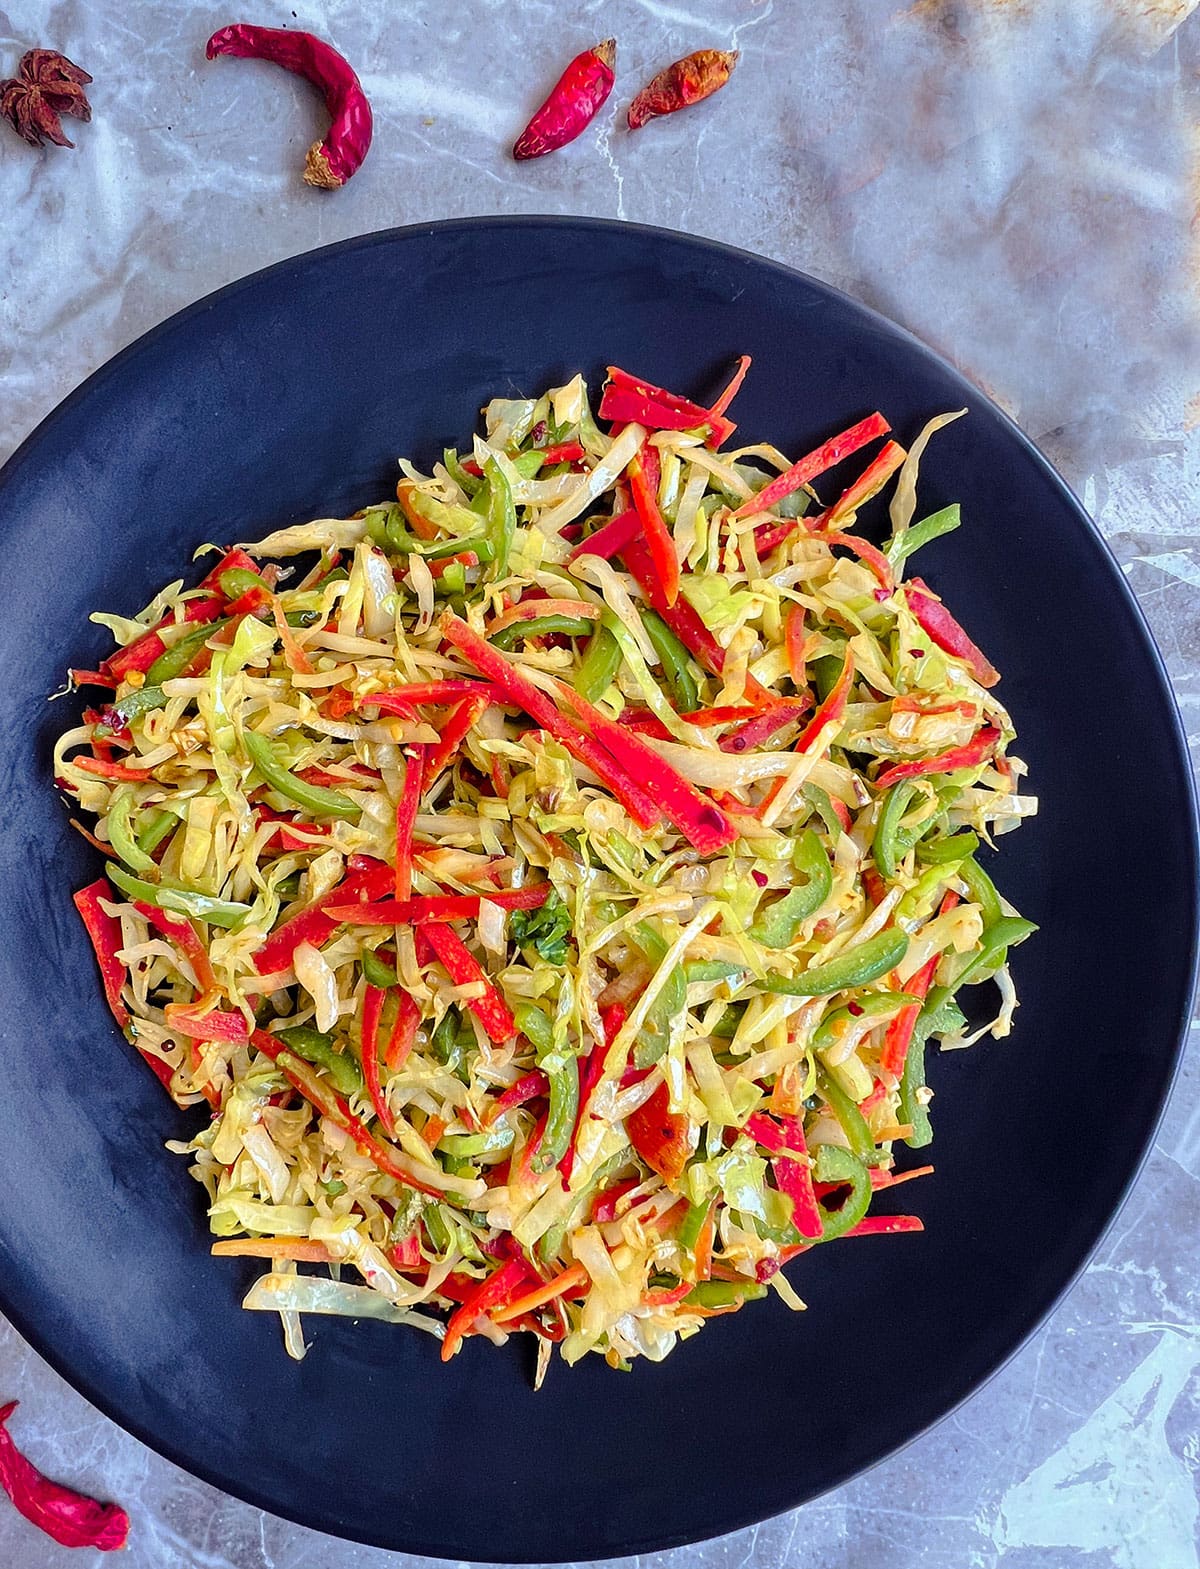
187,1018
393,1163
612,538
404,1031
626,398
144,650
816,462
372,1008
660,1135
334,781
464,970
497,1291
764,725
611,1019
699,820
886,1225
873,477
406,816
91,678
974,752
68,1517
232,559
180,930
734,387
289,839
521,692
683,619
313,925
941,628
406,1254
643,482
403,699
564,452
831,709
439,906
724,714
529,1087
454,731
604,1207
105,933
870,554
900,1027
103,769
643,722
792,1177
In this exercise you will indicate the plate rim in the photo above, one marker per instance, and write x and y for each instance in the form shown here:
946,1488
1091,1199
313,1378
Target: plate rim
245,1492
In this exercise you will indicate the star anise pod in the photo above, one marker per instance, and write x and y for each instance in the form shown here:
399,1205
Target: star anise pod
46,86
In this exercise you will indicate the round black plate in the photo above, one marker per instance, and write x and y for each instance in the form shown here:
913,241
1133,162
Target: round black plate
289,396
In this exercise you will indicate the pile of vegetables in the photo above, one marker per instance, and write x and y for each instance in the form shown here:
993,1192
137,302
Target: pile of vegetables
552,880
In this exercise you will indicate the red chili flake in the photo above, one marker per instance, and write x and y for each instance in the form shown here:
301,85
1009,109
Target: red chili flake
574,101
331,162
46,86
688,81
67,1516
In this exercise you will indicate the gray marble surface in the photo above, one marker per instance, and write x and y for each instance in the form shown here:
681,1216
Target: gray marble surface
1017,183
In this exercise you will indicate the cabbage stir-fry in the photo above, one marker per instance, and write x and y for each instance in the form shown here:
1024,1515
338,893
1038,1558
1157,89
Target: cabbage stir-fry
549,881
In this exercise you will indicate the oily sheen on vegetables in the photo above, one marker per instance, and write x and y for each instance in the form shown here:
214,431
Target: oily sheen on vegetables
549,882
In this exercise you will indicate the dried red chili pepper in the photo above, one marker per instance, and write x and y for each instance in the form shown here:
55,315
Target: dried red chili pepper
331,162
67,1516
574,101
688,81
46,86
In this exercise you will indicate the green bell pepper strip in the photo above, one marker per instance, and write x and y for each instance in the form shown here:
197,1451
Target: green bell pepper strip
238,581
927,888
155,826
873,1007
865,963
853,1123
344,1073
561,1116
377,971
888,845
528,464
143,701
183,901
179,656
779,924
480,544
467,483
711,970
541,626
912,1111
982,890
501,515
824,673
599,666
692,1224
822,803
682,689
953,848
471,1146
1009,929
715,1294
932,527
834,1164
535,1024
655,1035
121,835
313,798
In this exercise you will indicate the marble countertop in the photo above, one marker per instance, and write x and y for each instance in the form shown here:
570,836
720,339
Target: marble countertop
1014,180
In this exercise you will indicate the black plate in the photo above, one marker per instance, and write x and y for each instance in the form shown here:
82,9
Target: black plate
288,396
